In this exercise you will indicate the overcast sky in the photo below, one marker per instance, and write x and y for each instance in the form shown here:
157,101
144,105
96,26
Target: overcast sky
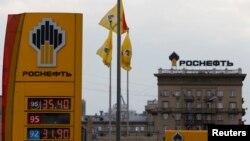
195,29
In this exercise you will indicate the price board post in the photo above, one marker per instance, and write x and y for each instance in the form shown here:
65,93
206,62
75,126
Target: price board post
42,77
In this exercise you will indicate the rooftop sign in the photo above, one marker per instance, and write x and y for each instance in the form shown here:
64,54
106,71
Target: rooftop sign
207,63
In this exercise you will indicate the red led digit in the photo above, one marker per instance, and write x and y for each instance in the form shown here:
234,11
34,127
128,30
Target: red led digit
31,119
66,103
45,134
53,133
66,133
60,103
51,104
60,133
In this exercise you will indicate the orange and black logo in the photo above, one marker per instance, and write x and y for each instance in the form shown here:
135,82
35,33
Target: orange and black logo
177,137
47,38
173,58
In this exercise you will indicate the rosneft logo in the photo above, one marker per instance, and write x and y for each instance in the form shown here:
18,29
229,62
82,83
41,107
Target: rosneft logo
47,38
173,58
178,137
198,63
127,52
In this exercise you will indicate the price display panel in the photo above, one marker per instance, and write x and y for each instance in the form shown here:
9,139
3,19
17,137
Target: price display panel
48,118
49,104
48,133
42,98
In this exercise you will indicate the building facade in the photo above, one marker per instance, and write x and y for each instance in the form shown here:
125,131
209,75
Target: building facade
102,126
192,99
187,100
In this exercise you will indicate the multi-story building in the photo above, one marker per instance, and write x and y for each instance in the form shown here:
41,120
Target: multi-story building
103,126
187,100
192,99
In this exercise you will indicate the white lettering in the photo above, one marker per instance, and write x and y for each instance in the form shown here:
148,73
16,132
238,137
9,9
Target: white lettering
216,132
244,133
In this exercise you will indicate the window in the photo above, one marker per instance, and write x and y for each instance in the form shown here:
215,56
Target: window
165,93
208,117
142,128
189,93
178,104
99,128
165,116
232,93
232,105
137,128
198,105
198,93
177,93
190,117
219,93
219,117
198,116
219,105
209,93
189,105
209,105
177,116
232,117
165,104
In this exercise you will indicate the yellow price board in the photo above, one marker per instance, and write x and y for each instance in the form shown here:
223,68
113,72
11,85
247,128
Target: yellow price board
42,77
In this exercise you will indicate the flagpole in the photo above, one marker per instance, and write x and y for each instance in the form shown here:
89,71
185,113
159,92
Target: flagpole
127,103
110,126
118,112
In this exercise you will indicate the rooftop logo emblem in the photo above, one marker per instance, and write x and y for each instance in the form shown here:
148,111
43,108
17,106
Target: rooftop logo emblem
47,38
174,58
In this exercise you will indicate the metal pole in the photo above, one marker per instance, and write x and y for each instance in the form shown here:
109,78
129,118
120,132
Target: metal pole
127,103
118,112
110,127
110,87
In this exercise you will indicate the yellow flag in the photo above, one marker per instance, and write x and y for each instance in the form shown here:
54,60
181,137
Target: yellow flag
126,53
112,16
105,51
